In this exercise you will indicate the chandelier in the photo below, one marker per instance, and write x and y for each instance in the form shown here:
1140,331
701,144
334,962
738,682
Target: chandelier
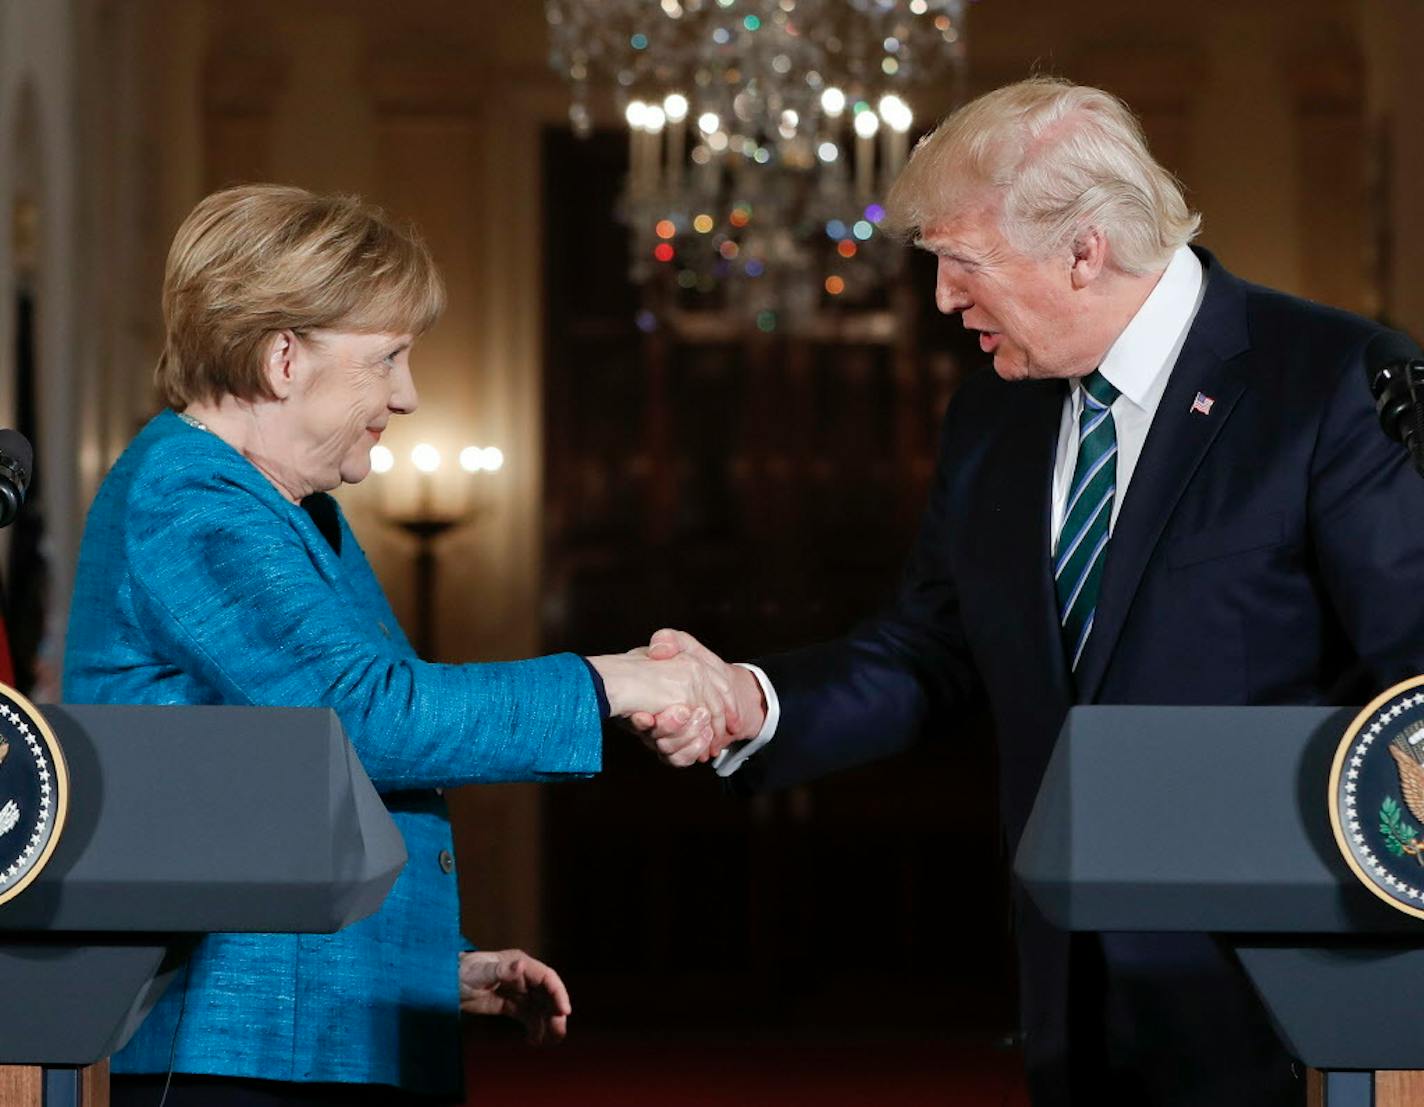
763,135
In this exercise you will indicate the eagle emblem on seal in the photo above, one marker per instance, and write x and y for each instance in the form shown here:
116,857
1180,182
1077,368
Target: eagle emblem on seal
1376,795
1400,837
10,813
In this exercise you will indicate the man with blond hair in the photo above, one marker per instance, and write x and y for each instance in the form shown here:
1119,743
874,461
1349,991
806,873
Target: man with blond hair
1171,490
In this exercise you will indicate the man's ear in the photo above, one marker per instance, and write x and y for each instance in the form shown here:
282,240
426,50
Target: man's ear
278,363
1090,257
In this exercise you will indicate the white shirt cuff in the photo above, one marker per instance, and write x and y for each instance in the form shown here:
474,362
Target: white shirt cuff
732,758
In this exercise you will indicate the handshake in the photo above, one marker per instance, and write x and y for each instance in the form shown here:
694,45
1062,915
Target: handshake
685,701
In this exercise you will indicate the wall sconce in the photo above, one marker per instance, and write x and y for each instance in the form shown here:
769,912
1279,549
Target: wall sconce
426,522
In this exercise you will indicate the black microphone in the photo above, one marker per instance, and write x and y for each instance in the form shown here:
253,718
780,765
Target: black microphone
1395,370
17,458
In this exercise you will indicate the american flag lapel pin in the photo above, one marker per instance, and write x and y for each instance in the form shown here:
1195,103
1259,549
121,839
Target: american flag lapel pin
1202,404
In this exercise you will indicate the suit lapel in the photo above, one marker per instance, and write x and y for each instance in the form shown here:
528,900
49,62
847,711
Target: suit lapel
1176,444
1015,533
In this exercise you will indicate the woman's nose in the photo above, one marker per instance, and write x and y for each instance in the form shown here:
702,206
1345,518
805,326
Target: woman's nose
404,398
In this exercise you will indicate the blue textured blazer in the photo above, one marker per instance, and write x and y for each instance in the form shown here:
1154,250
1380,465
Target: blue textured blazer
198,583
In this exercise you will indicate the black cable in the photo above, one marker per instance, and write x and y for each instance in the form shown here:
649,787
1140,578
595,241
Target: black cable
177,1026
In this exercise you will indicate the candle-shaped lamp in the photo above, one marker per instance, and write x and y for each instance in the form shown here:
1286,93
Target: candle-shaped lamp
675,105
654,120
382,461
866,124
476,460
898,119
636,114
426,459
710,124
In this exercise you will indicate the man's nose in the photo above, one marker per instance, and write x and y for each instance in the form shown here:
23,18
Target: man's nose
949,296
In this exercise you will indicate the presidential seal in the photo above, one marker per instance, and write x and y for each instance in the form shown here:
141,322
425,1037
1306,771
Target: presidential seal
34,793
1377,796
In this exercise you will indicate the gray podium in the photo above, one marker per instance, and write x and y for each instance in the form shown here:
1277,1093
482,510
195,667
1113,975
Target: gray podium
182,821
1239,845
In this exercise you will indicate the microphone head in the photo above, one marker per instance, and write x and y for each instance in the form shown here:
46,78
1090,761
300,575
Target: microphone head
18,455
1384,350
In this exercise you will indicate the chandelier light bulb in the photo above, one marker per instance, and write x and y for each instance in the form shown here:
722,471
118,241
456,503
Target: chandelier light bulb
493,459
896,113
425,457
382,460
472,459
741,98
676,107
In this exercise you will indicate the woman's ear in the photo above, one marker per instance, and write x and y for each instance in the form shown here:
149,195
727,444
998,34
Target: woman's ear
279,363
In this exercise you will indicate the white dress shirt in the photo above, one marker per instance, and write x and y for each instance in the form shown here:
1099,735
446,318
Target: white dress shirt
1137,365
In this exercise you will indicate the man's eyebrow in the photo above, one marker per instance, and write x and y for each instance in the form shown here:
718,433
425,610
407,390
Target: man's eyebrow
955,253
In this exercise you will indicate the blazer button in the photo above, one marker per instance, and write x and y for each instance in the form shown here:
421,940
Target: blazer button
447,861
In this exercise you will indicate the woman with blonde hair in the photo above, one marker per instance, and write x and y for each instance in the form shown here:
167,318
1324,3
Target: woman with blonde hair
215,569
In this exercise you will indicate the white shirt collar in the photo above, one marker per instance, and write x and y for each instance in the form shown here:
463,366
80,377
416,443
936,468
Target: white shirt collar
1137,363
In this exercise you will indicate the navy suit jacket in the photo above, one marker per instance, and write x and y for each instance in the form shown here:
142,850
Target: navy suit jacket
1270,551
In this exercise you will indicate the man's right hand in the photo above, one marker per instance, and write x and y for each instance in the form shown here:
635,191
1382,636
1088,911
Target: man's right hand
672,729
693,697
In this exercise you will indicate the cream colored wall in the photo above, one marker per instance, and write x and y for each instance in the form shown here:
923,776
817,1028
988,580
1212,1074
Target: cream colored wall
40,80
1392,32
1257,104
153,178
1243,174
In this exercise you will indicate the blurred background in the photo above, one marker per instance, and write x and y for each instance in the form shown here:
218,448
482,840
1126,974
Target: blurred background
705,391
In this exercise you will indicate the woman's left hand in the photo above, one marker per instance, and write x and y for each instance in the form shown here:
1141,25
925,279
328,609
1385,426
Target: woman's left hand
510,982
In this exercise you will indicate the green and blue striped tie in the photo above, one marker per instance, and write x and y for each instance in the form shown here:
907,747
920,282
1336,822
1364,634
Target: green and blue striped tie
1083,541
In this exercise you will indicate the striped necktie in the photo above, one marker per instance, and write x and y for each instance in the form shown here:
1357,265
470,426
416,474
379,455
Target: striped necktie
1083,541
